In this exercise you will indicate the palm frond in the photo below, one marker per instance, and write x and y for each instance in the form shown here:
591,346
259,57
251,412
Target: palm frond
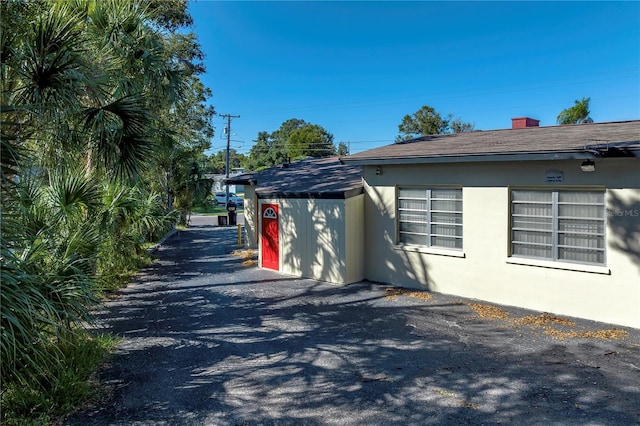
132,112
72,197
120,130
51,66
10,154
25,314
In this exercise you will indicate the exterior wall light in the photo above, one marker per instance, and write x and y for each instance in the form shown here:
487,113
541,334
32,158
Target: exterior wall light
588,166
378,171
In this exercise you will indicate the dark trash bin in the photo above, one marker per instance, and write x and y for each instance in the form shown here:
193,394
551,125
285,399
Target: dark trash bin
231,211
222,220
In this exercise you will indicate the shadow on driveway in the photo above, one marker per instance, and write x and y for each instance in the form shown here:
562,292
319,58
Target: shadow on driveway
210,342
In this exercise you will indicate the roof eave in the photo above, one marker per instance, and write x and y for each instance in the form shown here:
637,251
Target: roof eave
473,158
241,181
325,195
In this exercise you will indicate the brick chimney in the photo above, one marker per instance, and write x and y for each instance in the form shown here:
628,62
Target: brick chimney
524,122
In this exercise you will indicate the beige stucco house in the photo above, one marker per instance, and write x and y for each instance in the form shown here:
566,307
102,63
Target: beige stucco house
544,218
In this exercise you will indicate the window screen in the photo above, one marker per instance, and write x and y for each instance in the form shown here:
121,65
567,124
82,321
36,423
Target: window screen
430,217
558,225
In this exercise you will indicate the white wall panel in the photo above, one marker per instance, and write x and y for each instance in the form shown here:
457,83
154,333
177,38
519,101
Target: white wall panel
250,218
312,239
354,239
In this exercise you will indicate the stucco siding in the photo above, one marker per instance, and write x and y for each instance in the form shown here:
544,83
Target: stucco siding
250,218
483,269
312,239
354,239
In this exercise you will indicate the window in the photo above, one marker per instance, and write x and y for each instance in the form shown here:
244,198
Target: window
430,217
558,225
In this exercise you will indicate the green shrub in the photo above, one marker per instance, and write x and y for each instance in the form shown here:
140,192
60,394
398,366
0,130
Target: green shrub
66,385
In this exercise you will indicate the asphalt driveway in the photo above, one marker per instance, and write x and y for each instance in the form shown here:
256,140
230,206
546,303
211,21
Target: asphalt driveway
208,341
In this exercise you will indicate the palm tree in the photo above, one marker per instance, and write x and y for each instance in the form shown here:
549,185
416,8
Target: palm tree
83,84
49,253
579,113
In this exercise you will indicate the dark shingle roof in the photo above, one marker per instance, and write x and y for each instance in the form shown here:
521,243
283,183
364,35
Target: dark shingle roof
553,142
309,178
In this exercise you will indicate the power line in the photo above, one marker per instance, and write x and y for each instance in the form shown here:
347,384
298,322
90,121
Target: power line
228,131
510,88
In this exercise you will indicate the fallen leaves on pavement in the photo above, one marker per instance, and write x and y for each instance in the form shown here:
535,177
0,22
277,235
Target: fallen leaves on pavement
249,255
557,327
395,292
461,403
612,333
470,405
543,320
547,322
488,311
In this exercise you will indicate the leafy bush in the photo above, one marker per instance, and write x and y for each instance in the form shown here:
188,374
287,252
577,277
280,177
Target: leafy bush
64,384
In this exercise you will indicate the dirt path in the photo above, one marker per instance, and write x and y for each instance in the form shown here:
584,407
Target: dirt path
208,341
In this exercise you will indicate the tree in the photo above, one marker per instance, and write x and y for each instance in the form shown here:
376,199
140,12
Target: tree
458,126
216,163
343,149
279,150
293,140
183,134
310,140
578,113
259,153
189,186
427,121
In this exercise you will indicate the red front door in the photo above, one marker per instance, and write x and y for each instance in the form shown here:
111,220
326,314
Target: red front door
270,247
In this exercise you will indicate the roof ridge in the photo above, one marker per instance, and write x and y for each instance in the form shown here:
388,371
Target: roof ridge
525,143
443,135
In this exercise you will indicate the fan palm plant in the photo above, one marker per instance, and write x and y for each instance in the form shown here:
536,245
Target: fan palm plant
49,252
84,84
56,113
130,217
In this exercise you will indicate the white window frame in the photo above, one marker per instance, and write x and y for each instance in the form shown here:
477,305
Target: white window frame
428,222
555,228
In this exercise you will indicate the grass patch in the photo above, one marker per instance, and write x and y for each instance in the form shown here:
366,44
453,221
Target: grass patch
120,271
114,281
69,384
210,209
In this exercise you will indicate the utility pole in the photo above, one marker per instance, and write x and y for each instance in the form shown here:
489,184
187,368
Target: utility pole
228,130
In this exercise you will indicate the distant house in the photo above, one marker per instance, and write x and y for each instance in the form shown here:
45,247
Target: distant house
218,182
544,218
306,218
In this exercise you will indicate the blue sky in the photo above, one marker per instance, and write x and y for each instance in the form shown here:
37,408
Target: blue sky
356,68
